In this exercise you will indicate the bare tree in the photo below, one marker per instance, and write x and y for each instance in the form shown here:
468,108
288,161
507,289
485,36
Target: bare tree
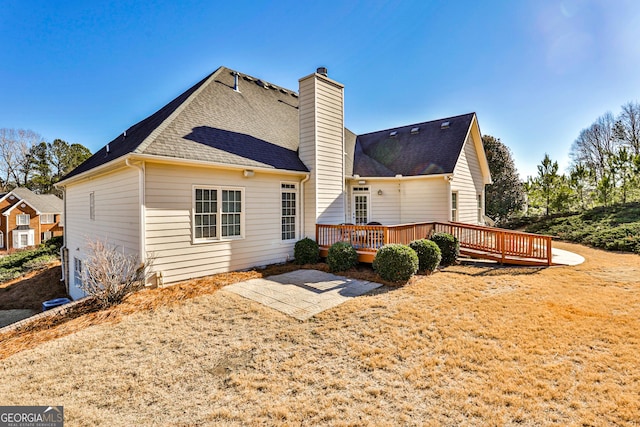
16,161
109,274
595,144
628,129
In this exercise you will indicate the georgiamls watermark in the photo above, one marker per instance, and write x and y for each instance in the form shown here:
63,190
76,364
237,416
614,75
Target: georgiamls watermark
31,416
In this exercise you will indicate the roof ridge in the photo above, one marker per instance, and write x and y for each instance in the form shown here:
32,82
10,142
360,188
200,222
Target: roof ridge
178,110
419,123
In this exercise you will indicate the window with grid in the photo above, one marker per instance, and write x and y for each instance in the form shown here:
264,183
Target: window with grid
23,219
46,218
217,213
454,206
77,272
289,192
231,213
205,215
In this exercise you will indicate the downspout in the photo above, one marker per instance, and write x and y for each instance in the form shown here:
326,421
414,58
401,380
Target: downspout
141,201
302,205
63,260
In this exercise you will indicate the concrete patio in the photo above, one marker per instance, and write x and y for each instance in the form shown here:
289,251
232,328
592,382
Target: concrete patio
302,293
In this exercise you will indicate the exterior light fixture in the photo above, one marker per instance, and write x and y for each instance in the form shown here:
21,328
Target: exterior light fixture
379,192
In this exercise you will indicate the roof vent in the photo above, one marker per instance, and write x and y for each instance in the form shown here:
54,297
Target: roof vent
322,71
444,125
235,81
415,130
393,134
108,149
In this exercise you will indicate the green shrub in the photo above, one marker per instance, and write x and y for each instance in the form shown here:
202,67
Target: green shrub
306,251
39,262
342,256
53,245
428,252
449,247
395,262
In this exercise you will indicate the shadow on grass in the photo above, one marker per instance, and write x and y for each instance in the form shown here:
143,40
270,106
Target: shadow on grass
482,269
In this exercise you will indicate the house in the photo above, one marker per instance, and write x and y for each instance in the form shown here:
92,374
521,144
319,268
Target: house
28,219
231,173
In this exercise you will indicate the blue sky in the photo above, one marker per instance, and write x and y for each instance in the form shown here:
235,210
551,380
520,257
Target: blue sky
536,72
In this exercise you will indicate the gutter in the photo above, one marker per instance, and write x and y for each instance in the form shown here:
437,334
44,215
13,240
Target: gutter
142,203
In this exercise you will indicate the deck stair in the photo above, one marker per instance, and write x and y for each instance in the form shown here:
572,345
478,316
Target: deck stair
504,246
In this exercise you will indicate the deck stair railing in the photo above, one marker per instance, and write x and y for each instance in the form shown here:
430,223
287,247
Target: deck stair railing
505,246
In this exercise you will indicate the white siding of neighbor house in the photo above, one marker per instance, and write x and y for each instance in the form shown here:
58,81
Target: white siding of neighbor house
468,183
424,200
169,201
322,150
117,215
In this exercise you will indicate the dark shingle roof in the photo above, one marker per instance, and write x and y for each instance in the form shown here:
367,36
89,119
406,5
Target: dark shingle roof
255,127
432,150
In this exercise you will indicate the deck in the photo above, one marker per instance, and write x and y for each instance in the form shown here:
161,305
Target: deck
504,246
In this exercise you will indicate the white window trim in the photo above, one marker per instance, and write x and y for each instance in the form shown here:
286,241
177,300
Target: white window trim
77,272
52,216
1,239
18,235
46,235
92,206
296,191
455,211
365,192
22,216
219,213
480,206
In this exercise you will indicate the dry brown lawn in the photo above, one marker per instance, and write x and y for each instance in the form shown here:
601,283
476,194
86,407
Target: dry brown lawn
472,345
32,289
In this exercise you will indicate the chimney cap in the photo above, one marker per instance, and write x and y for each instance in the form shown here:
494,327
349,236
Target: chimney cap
322,71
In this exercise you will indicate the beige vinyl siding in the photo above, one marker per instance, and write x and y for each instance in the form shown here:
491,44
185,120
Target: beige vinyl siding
468,183
169,197
117,214
307,152
321,150
384,208
424,199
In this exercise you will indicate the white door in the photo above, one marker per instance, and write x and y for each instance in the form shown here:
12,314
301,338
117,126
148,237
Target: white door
360,205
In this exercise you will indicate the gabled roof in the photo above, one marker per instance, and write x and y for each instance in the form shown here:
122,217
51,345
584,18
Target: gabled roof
256,126
41,203
426,148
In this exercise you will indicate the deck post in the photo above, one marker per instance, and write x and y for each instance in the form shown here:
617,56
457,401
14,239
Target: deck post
549,252
503,248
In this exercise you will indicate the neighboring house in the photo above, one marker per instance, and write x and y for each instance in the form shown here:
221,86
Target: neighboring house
230,174
28,219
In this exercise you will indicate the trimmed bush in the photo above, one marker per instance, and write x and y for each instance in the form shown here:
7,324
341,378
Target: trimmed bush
306,251
342,256
428,252
395,262
449,247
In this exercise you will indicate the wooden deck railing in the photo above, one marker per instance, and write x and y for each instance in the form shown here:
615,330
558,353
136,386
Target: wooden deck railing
502,245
